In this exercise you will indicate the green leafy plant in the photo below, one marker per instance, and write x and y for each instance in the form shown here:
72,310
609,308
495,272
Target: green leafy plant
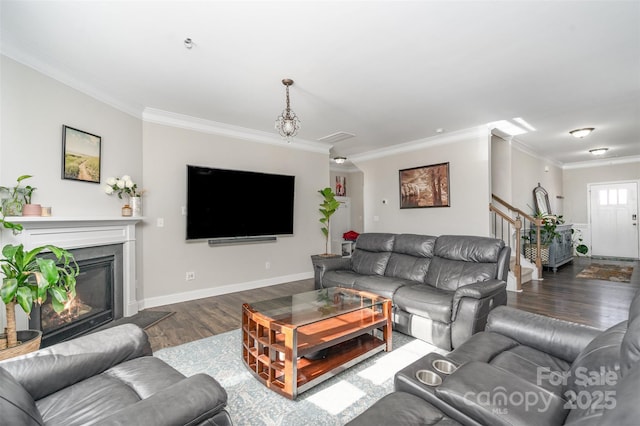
547,229
576,239
30,279
328,207
18,194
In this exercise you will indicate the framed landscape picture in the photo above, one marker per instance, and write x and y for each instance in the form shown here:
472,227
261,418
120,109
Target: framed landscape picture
80,155
425,186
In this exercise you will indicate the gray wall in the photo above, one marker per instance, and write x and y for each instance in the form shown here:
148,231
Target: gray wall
468,156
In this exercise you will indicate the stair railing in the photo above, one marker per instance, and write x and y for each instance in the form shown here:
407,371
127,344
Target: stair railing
515,221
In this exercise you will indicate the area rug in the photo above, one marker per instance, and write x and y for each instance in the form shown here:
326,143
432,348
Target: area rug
607,272
333,402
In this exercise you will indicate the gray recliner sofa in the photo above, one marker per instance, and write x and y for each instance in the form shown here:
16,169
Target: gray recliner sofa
526,369
106,378
442,288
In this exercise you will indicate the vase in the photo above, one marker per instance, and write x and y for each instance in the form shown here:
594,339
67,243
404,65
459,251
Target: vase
32,210
127,210
136,206
11,207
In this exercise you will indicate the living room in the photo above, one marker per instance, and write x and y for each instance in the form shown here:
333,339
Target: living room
153,143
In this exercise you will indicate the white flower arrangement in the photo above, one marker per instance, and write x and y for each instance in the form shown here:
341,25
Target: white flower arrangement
122,186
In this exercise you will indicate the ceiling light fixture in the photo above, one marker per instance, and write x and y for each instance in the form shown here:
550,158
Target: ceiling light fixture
188,43
598,151
339,160
581,133
287,123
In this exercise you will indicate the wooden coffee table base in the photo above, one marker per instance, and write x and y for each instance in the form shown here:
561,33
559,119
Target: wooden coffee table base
274,351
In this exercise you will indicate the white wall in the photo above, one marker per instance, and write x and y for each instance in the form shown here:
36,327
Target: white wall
468,156
526,172
166,254
575,182
34,108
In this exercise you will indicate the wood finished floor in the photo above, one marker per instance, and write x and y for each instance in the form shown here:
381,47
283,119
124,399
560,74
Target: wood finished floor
597,303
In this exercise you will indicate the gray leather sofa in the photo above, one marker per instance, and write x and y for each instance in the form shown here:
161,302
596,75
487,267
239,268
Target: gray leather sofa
527,369
442,288
106,378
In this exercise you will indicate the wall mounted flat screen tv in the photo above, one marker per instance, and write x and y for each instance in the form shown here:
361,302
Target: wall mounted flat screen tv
233,203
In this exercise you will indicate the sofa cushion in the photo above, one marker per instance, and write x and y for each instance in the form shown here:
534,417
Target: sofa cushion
372,253
16,405
383,286
339,278
493,396
450,274
98,397
468,248
425,301
630,348
595,372
402,408
536,367
483,346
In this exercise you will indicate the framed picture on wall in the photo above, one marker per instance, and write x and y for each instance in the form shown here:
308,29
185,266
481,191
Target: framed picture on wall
80,155
425,186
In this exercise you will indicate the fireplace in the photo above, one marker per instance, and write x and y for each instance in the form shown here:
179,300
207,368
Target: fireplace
98,300
80,235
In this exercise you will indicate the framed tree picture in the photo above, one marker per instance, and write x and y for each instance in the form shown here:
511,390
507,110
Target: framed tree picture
425,186
80,155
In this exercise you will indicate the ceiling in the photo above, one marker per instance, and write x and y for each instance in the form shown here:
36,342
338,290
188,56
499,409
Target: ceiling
390,72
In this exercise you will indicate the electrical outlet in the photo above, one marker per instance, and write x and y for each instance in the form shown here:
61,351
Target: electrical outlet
190,276
267,265
160,222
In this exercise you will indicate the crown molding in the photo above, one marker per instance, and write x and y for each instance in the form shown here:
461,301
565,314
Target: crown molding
602,162
66,79
458,136
523,147
167,118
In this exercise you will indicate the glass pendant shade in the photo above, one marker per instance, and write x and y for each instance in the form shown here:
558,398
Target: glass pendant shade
287,123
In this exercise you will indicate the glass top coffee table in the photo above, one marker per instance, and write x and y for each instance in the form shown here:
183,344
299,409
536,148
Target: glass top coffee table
295,342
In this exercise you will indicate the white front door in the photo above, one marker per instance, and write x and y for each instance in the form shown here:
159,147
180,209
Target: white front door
613,213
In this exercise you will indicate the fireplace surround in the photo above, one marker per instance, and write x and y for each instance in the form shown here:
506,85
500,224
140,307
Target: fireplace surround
82,233
98,300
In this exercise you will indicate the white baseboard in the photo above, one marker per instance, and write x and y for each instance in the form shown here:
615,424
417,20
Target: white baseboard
169,299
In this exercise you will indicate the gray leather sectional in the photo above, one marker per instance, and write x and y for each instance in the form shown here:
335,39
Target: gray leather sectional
442,288
106,378
525,369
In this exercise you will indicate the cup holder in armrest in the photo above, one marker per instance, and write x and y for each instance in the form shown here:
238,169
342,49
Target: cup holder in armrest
428,377
443,366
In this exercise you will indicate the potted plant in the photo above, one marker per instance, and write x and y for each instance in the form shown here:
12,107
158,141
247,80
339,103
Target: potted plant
328,207
12,206
548,232
30,279
124,186
577,240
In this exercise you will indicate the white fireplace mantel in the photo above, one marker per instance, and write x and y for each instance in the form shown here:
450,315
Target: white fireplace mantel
78,232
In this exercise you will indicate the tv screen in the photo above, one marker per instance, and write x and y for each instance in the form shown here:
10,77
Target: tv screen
232,203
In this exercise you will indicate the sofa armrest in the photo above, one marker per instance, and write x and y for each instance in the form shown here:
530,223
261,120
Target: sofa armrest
321,265
48,370
477,290
494,396
189,402
562,339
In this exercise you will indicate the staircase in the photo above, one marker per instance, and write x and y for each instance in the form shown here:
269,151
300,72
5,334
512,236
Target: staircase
508,223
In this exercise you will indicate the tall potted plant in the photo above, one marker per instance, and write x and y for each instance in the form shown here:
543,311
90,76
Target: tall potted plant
30,279
328,207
